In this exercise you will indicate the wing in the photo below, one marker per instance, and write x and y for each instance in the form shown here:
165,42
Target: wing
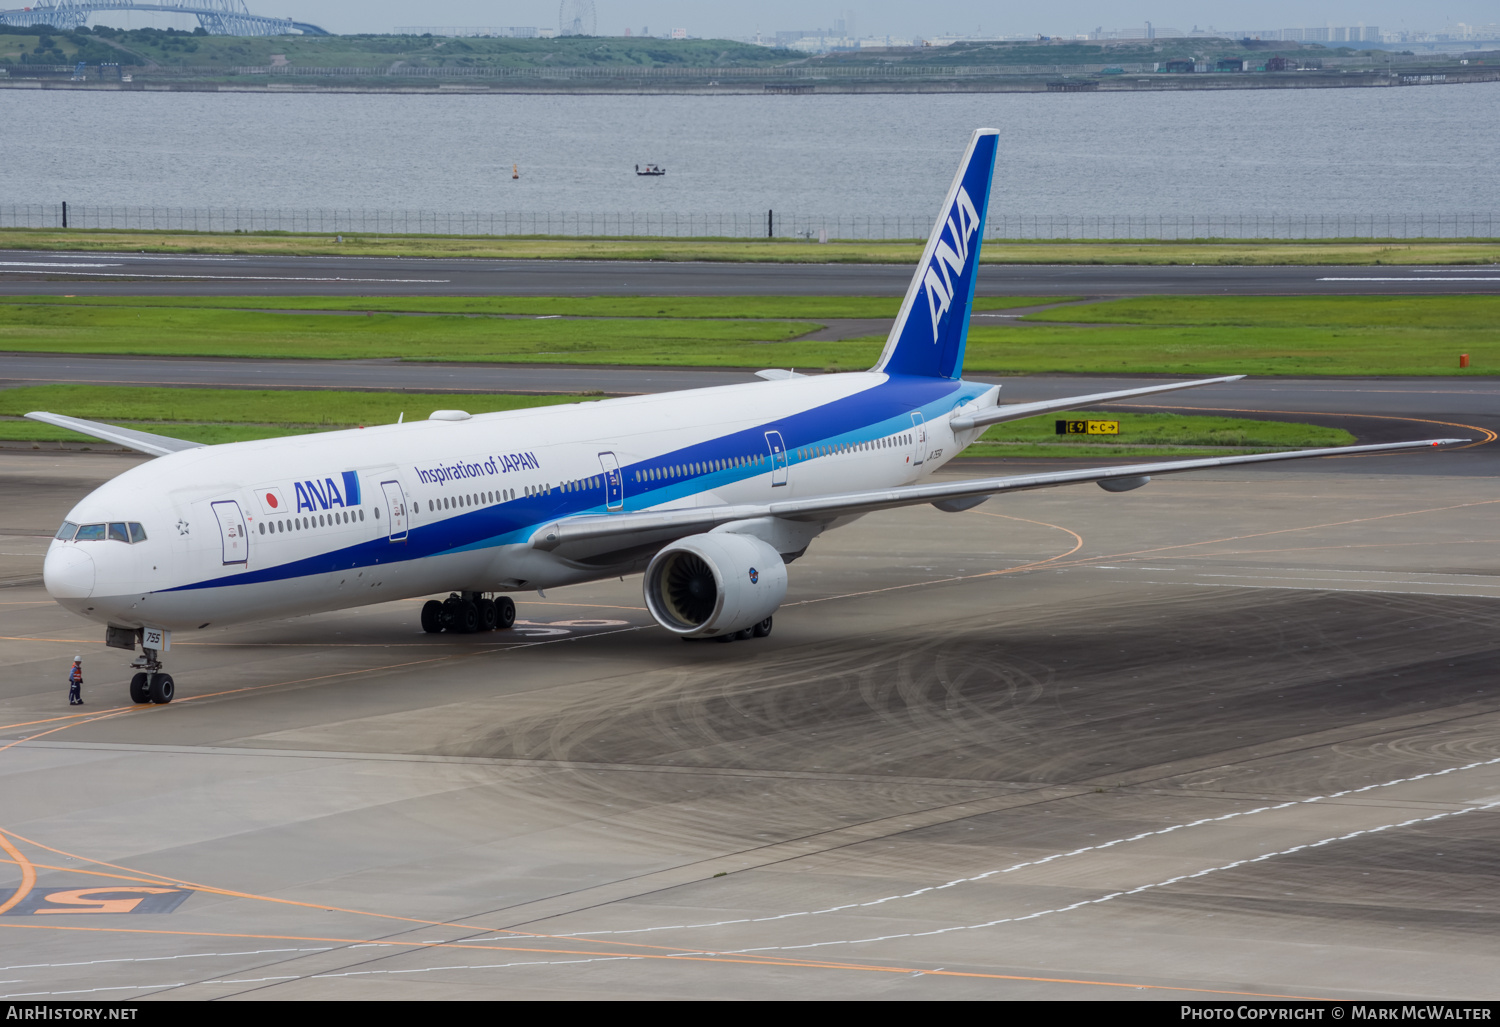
1016,411
142,441
593,534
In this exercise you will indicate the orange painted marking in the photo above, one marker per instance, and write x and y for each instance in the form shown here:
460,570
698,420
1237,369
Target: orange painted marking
1279,531
63,727
87,900
29,869
1078,544
677,957
1489,436
28,874
94,873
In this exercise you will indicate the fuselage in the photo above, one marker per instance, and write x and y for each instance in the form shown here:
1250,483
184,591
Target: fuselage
286,526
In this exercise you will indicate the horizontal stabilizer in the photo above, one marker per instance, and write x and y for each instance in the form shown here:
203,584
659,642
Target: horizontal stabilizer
1017,411
141,441
778,374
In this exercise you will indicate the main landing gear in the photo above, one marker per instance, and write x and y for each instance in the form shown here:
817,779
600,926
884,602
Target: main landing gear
467,612
760,630
151,685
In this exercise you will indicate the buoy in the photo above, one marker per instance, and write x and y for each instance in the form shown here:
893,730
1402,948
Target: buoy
515,171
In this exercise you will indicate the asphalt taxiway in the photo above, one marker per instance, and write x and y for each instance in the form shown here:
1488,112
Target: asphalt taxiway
1235,734
29,272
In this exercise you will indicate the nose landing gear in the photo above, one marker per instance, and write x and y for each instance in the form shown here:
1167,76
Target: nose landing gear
151,685
467,613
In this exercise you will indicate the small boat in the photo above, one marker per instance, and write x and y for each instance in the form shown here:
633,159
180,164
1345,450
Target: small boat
650,169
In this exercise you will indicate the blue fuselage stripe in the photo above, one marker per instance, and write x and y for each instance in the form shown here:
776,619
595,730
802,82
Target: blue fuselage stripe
876,413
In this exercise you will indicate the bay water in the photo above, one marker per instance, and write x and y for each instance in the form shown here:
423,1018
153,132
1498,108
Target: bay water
1269,151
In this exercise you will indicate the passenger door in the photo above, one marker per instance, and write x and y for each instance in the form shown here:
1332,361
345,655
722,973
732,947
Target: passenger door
232,534
395,507
614,482
778,458
918,440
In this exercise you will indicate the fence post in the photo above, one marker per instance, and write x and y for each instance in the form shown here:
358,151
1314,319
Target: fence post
65,213
770,223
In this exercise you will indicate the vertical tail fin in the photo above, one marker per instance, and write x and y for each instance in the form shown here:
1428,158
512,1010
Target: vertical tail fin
932,329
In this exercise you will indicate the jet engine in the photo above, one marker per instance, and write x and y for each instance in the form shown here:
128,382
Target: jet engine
714,584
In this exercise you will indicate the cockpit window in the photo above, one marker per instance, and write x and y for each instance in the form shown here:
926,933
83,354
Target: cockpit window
115,531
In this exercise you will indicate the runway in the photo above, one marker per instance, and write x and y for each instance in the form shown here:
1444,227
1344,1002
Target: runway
26,272
1232,735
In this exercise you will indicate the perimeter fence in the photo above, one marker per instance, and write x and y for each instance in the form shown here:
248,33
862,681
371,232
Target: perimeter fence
747,224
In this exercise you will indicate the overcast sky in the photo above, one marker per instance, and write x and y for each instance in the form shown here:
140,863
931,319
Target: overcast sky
887,17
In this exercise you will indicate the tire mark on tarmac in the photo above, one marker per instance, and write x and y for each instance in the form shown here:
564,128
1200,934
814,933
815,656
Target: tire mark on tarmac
1074,852
1105,898
1138,889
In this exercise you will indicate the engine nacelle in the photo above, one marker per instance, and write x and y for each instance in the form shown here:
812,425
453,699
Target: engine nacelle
713,584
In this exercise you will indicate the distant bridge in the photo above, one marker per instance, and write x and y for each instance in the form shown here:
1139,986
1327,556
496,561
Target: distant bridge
218,17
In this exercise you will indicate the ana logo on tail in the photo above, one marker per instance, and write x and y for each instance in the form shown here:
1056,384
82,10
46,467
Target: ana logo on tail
938,281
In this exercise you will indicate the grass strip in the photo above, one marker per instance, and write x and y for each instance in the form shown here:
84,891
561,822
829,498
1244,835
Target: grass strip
1265,335
1228,350
720,307
215,416
1402,312
787,251
1148,434
1417,335
183,331
233,415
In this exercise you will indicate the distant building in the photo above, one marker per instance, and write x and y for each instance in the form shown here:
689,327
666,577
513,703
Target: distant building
1321,34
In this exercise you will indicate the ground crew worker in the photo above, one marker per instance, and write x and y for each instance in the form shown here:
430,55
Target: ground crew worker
75,682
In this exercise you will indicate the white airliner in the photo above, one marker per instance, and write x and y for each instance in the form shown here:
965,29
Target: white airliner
710,492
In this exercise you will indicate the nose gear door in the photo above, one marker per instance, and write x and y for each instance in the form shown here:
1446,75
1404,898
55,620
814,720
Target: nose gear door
614,482
395,507
232,533
778,458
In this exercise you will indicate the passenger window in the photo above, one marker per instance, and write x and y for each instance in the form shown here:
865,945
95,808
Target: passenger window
67,531
118,532
137,533
90,533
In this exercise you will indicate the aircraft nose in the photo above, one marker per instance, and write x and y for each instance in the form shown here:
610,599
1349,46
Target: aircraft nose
68,572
